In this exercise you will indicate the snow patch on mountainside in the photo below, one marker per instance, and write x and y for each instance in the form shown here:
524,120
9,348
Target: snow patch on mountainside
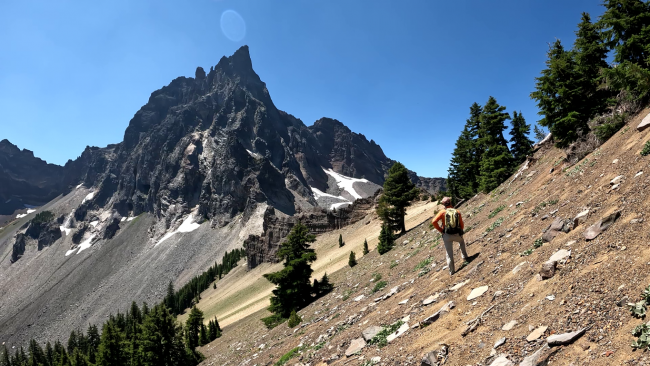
345,183
187,226
20,216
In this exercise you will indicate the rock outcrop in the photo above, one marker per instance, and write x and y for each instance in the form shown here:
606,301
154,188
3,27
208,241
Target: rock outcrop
263,248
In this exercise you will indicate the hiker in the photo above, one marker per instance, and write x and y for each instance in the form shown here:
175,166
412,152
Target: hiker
451,230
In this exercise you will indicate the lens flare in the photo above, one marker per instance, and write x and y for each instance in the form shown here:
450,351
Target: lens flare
233,25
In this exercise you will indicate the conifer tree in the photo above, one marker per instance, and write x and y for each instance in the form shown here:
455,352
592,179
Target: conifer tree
626,29
591,61
78,358
4,358
293,285
36,354
170,300
193,327
398,193
352,261
386,240
161,339
203,336
294,319
49,354
323,287
464,166
72,342
557,94
496,162
365,247
520,145
341,243
110,350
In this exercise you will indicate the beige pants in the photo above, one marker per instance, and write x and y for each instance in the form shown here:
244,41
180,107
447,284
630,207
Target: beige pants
449,240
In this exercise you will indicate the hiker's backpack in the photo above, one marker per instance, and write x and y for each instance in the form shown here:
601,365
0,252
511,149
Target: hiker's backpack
452,222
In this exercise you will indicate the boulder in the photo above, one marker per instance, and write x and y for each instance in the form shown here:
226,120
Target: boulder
502,361
401,330
540,357
431,299
444,310
580,218
566,338
536,333
511,324
355,346
370,332
596,229
548,269
559,255
644,124
477,292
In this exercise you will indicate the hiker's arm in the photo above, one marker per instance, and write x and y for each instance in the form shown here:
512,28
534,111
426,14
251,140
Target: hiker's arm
460,221
435,220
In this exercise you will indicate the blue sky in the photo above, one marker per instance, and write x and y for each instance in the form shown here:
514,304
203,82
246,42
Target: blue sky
404,73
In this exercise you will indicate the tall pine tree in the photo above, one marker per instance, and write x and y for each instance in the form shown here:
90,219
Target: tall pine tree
496,162
398,193
293,283
558,94
520,145
626,29
590,61
464,166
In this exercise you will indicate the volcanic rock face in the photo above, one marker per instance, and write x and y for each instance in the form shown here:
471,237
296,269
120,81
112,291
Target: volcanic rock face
26,179
217,142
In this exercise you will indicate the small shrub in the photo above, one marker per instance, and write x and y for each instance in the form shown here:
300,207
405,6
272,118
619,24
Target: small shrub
424,271
424,263
605,131
380,340
642,332
294,319
376,277
393,264
638,309
538,243
319,346
527,252
646,149
496,211
379,286
352,260
346,294
287,356
386,240
273,321
495,225
45,216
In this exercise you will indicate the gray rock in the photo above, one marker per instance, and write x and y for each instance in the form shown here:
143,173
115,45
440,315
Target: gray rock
370,332
548,269
540,357
511,324
559,255
502,361
596,229
355,346
536,333
499,343
444,310
566,338
580,218
644,124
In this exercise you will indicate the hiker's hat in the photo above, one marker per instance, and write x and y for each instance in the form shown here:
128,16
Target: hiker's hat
446,201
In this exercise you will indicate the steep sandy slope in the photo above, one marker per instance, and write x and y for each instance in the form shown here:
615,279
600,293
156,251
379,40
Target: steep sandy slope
589,289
